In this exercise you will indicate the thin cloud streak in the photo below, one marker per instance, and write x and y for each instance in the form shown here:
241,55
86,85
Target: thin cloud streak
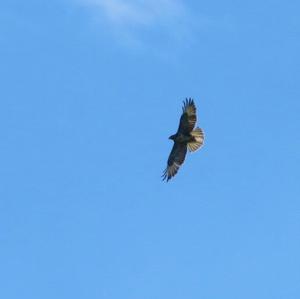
131,19
147,13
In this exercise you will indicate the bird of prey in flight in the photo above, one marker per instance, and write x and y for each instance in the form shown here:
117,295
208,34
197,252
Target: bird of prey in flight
186,138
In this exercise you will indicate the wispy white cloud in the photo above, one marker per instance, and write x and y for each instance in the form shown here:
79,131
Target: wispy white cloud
163,26
135,18
149,12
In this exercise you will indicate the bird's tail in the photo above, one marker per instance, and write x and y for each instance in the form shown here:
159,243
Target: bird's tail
197,140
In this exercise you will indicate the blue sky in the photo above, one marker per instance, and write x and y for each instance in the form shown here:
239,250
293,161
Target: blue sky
90,92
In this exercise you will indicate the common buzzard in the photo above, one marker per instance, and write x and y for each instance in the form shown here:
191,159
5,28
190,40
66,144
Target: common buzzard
186,138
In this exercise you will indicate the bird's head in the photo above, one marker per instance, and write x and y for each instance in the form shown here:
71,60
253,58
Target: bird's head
172,137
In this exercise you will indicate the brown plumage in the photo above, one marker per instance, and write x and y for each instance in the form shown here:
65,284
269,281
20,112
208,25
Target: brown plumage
186,138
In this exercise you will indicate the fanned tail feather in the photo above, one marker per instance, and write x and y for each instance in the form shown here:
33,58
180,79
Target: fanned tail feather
198,140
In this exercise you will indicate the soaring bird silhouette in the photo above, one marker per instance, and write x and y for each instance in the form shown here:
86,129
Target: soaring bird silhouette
186,138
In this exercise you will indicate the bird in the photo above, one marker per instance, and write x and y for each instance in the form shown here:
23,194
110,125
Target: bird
186,138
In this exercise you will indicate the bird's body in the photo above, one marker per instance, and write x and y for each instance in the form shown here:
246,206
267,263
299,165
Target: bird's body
186,138
181,138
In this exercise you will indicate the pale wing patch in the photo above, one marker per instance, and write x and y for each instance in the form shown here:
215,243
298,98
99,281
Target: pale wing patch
198,140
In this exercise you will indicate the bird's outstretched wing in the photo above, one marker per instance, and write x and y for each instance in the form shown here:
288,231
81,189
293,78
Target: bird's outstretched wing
175,160
188,118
